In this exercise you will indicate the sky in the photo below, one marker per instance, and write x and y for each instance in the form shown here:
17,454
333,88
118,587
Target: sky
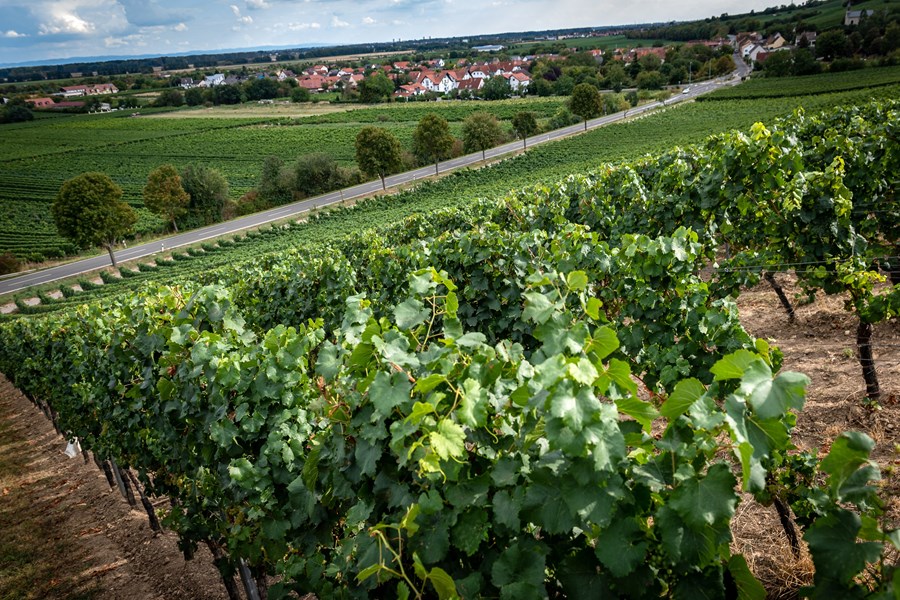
60,29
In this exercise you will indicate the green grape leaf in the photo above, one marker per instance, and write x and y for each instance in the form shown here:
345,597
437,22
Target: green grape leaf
577,281
538,308
835,551
848,453
733,365
621,547
708,500
522,562
771,399
748,587
448,440
443,584
387,392
686,392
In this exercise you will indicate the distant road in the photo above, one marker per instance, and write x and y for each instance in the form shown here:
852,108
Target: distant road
296,209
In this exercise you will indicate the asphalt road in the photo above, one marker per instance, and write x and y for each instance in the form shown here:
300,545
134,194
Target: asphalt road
296,209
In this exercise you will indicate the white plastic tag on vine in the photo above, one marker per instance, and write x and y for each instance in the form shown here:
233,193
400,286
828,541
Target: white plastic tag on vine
73,449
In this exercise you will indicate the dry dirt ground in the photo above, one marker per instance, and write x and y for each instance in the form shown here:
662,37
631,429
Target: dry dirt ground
93,545
66,534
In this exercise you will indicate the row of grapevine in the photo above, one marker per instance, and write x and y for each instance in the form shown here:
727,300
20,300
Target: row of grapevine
406,452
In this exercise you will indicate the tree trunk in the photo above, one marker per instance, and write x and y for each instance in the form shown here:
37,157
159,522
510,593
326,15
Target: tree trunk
174,225
483,157
383,184
112,255
524,143
585,124
781,295
864,345
436,167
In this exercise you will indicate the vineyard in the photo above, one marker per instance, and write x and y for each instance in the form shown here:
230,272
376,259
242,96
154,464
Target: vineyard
782,87
548,394
543,164
38,156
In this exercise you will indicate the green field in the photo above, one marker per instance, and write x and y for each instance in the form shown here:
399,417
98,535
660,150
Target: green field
38,156
780,87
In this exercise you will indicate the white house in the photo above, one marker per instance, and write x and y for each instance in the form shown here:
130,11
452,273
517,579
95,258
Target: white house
213,80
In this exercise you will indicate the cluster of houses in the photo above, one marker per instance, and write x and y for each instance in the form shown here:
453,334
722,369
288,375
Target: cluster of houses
417,78
756,48
75,91
433,78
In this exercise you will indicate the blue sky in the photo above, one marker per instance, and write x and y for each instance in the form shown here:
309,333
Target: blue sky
60,29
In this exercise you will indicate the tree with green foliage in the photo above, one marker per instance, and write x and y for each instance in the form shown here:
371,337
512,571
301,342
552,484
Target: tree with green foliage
169,97
432,140
318,173
271,188
15,111
300,94
208,190
832,44
377,87
496,88
89,211
481,131
586,102
378,152
227,94
164,195
194,97
262,88
616,78
525,124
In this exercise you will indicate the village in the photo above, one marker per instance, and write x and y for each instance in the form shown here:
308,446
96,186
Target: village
437,77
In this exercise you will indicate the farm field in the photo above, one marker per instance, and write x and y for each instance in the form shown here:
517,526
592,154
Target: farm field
40,155
780,87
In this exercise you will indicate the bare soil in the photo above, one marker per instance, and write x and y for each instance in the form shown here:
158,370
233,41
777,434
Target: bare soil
66,534
91,544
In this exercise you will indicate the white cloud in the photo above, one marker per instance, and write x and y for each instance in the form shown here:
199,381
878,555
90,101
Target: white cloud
180,27
246,20
136,40
236,10
303,26
12,33
369,21
64,20
336,22
258,4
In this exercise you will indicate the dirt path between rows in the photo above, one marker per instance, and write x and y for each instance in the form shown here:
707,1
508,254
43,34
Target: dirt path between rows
68,535
92,544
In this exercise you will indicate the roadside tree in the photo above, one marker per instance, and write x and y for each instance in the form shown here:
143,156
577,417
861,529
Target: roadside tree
432,140
525,125
586,102
378,152
164,194
208,190
89,211
481,131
